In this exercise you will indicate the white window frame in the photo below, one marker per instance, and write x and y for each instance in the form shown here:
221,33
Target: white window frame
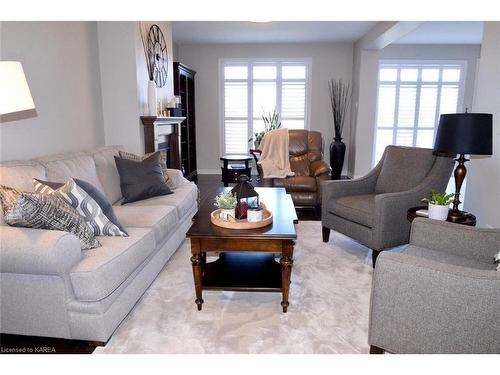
279,62
398,82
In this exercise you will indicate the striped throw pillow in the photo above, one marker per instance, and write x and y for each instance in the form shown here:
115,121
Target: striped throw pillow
84,204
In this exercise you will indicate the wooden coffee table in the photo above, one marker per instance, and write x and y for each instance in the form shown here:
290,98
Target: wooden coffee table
246,257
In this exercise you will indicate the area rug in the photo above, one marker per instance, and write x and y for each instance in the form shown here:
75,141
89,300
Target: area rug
328,312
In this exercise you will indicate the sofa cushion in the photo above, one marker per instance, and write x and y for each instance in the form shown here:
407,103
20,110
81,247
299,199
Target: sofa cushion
356,208
102,270
19,174
403,168
300,165
297,183
162,219
62,167
447,258
104,158
183,199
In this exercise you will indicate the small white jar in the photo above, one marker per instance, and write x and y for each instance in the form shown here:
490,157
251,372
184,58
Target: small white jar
254,214
438,212
226,213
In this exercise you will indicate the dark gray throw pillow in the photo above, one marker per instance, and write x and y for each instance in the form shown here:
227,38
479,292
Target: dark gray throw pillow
141,179
96,194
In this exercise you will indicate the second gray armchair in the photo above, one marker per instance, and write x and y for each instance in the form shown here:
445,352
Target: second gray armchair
372,209
440,295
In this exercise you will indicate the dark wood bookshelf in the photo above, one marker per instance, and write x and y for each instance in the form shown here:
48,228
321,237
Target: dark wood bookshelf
184,87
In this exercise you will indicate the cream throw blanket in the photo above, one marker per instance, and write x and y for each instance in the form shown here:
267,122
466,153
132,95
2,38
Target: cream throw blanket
275,160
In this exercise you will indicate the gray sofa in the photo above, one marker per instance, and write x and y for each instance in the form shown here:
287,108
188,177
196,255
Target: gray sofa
441,295
50,287
372,209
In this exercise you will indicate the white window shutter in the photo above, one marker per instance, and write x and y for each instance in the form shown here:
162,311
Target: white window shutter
253,89
411,96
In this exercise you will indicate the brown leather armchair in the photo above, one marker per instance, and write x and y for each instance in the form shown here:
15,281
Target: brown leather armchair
306,160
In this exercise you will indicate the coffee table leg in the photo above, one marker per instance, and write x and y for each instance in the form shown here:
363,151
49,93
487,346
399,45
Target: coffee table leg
197,263
286,262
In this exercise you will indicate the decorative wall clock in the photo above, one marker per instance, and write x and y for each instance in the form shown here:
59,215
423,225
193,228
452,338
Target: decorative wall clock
157,48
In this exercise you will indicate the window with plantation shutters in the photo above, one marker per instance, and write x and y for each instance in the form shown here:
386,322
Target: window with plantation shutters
254,88
411,97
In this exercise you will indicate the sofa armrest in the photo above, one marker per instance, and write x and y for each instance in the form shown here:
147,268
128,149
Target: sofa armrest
470,242
177,177
37,251
319,167
422,306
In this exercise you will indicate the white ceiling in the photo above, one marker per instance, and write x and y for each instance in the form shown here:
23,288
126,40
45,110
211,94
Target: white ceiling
445,32
194,32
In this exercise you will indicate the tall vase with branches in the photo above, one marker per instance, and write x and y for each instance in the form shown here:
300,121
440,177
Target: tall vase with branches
340,101
149,57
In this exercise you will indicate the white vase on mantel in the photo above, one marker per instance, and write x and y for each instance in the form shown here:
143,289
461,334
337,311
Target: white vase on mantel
152,98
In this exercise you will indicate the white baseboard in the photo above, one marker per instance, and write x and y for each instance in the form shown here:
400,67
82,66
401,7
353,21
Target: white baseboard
209,171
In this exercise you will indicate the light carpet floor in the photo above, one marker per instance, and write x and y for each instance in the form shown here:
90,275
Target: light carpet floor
328,313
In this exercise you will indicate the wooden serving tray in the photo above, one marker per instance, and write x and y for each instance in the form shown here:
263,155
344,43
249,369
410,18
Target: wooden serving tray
267,218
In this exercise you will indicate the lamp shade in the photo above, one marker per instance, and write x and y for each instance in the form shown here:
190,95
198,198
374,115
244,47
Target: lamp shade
465,133
15,94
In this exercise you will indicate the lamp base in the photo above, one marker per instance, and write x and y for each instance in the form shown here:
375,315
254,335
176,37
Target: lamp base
457,216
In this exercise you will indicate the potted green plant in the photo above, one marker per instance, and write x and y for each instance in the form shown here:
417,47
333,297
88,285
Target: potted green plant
439,205
272,121
226,202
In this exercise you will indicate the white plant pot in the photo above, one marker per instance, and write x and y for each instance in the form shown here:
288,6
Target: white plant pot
152,98
226,213
438,212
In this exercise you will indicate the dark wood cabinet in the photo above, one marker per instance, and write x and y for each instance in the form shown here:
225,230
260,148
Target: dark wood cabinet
184,87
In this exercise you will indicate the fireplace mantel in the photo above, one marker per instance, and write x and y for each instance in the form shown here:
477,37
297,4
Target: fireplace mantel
162,133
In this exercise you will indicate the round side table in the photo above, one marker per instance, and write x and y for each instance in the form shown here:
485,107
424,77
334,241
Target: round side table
232,168
470,219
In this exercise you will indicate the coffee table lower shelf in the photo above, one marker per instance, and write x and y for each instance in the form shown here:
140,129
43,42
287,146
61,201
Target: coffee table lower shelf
249,272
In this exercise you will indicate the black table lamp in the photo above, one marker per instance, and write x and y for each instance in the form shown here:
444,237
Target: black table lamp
463,133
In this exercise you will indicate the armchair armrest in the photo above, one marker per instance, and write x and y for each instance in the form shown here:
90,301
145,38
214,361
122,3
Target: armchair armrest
37,251
319,167
422,306
476,243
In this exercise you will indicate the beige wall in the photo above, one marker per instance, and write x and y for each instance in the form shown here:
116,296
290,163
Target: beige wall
483,179
124,81
329,60
60,60
163,93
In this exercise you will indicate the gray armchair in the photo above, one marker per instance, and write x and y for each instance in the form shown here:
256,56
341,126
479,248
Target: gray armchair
372,210
441,295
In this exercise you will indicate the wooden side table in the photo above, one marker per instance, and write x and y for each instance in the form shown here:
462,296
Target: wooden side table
412,214
232,168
